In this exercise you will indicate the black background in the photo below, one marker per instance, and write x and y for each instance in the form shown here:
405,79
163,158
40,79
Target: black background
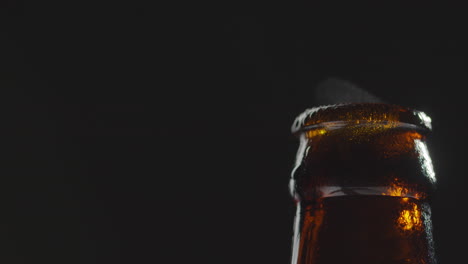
153,134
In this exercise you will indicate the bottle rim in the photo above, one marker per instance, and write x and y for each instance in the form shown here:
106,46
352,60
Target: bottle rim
361,114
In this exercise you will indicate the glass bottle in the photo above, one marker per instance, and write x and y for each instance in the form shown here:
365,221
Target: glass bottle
362,182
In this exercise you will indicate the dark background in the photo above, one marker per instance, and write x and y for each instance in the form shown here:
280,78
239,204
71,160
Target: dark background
152,134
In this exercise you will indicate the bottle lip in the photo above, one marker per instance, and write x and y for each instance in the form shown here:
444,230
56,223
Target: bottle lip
367,114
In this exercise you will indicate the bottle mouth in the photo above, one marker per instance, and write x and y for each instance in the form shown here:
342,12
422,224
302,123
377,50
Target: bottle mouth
332,117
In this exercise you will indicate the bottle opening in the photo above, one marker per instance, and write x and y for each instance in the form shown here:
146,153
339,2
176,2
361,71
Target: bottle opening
363,115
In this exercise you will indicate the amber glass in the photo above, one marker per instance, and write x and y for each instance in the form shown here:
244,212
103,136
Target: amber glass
362,181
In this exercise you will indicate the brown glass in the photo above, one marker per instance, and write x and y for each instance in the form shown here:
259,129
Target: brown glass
362,181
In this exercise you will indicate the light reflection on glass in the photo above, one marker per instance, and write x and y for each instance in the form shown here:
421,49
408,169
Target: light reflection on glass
398,188
425,119
425,159
410,218
316,132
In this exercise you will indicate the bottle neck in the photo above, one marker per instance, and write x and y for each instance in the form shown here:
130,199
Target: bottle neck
362,161
363,229
362,180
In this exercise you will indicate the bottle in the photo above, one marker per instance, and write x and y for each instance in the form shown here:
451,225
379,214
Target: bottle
362,182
